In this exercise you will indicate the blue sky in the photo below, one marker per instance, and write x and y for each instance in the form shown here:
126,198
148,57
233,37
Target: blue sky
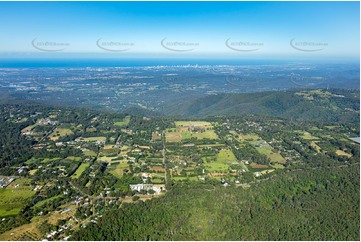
188,29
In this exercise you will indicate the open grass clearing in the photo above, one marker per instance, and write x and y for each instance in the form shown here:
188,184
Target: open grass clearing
173,137
273,156
307,136
15,196
59,132
226,156
80,170
41,203
92,139
208,134
32,172
124,122
193,123
118,169
89,153
28,128
277,166
181,178
266,171
315,146
216,167
343,153
47,160
258,166
74,158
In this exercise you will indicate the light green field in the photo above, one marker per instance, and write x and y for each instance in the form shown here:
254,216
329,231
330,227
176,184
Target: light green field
190,123
32,172
341,152
212,145
12,199
308,136
173,137
278,166
216,166
247,137
185,134
226,156
118,170
46,160
61,131
265,171
332,127
89,153
315,146
28,128
107,159
223,159
261,146
80,170
275,157
101,138
75,158
124,122
38,204
208,134
155,136
180,178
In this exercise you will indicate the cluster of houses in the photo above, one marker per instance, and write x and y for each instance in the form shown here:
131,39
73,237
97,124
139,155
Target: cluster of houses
5,181
194,128
147,187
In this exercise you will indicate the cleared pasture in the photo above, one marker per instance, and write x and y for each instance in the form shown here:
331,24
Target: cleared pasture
59,132
15,196
80,170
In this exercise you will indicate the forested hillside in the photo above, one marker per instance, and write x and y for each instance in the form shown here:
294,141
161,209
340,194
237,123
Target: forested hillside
317,204
319,105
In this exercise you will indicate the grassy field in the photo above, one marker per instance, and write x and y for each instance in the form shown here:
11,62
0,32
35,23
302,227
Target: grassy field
30,231
341,152
208,134
107,159
261,146
46,160
89,153
246,137
180,178
315,146
275,157
100,138
266,171
258,166
28,128
80,170
156,136
118,169
38,204
278,166
32,172
179,134
195,123
226,156
13,198
61,132
223,159
308,136
124,122
173,137
75,158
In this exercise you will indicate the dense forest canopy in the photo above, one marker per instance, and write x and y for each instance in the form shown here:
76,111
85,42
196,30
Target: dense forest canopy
318,204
